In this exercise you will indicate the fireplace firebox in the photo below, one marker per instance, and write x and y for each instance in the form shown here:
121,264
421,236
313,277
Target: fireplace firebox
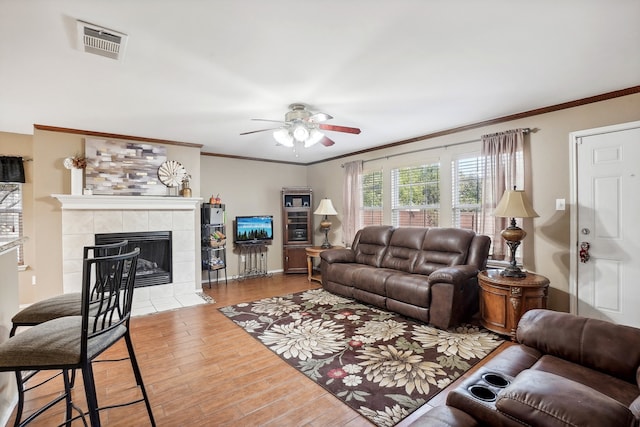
155,260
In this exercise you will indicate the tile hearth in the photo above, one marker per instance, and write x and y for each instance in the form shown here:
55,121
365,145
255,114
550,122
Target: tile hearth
155,305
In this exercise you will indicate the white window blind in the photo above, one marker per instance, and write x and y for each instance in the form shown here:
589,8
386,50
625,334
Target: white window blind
466,191
372,212
11,214
415,196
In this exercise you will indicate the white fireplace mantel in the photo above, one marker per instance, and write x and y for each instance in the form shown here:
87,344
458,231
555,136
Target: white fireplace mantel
100,202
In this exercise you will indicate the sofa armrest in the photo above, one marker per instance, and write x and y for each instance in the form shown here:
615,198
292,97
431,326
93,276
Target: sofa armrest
457,275
338,255
539,398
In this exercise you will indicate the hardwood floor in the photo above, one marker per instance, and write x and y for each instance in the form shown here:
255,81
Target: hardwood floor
202,370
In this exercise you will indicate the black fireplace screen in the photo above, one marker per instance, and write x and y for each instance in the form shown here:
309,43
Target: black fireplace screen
154,262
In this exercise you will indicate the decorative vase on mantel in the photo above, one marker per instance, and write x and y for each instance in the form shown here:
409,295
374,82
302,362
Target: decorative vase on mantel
76,181
76,165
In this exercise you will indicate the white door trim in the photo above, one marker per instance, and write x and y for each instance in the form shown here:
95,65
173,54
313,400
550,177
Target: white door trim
574,141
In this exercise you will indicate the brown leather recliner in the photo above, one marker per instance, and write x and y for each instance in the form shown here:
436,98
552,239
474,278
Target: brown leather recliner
429,274
565,370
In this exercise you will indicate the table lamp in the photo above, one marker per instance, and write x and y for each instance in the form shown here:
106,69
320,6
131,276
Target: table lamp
325,208
514,204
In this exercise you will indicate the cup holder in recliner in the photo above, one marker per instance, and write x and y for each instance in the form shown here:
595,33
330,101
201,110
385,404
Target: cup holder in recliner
496,380
482,392
488,391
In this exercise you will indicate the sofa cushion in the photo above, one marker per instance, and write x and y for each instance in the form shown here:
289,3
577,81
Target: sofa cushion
603,346
547,400
622,391
443,247
404,248
371,244
409,288
372,279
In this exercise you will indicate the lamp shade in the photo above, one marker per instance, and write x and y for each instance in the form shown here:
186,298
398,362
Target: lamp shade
325,208
514,204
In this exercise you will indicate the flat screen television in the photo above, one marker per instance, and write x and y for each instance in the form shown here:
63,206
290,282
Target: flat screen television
253,229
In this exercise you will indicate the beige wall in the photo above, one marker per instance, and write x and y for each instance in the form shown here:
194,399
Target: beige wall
43,213
253,187
547,245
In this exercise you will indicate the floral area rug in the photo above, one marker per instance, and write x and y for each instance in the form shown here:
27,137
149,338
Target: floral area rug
381,364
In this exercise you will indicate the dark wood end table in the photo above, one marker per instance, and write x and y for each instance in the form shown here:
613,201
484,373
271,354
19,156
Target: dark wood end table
503,300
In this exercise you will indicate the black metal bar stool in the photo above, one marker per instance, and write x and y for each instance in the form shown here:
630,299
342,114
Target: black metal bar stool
73,342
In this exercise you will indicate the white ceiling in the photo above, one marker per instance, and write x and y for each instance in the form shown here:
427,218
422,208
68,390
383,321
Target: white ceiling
197,71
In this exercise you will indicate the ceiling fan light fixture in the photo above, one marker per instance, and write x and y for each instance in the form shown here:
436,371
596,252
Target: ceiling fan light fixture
303,129
300,132
283,137
314,137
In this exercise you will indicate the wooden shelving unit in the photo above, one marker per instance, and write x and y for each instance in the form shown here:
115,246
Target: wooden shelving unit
297,227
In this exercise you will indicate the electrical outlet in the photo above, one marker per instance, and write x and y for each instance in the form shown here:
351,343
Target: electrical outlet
560,204
33,280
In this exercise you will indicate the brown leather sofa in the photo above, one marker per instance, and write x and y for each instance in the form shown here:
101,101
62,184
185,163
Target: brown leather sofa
565,370
429,274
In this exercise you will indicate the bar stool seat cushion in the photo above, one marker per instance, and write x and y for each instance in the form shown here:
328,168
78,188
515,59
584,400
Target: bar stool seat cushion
49,309
54,343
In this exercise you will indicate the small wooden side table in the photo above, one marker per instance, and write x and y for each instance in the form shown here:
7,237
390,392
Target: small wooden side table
314,252
503,300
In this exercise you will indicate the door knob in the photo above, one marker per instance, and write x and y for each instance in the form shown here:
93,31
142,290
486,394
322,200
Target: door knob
584,251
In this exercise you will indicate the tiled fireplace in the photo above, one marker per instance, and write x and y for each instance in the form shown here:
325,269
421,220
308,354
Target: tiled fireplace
154,262
85,216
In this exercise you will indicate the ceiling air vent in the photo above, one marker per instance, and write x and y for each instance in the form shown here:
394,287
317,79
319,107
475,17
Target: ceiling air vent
101,41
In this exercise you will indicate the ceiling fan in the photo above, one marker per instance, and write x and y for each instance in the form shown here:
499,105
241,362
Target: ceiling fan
301,125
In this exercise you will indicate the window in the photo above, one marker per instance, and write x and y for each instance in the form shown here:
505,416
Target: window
445,191
11,214
371,198
415,196
467,192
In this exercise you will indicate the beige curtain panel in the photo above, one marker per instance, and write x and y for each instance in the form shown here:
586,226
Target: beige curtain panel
351,201
502,158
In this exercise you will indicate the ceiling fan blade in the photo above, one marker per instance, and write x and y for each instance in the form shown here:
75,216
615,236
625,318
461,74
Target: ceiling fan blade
336,128
319,117
268,120
256,131
327,142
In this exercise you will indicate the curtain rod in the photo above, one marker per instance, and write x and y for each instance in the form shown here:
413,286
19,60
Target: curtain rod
24,159
445,146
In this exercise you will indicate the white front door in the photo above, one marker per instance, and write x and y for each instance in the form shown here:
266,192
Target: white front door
606,217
